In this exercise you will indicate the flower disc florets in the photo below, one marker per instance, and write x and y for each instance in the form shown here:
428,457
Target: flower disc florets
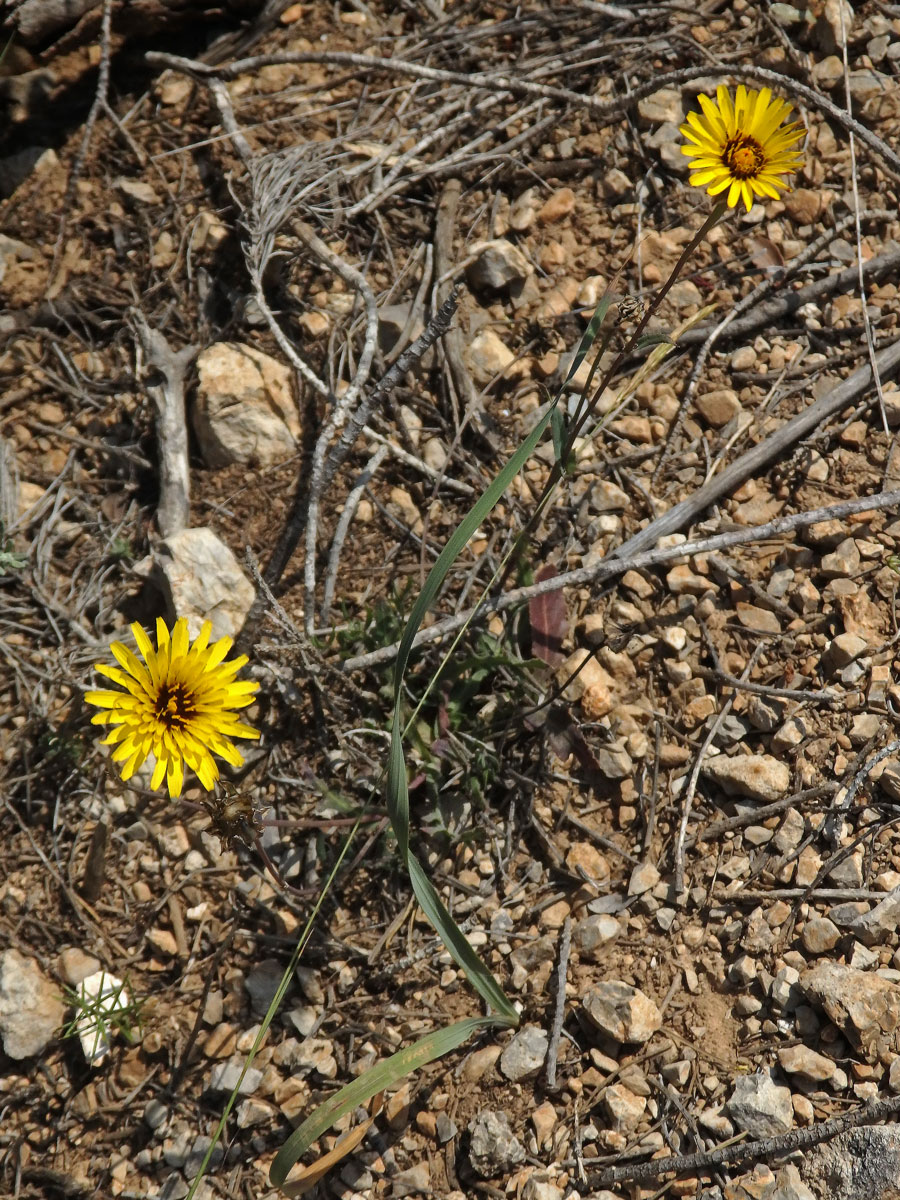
177,705
742,146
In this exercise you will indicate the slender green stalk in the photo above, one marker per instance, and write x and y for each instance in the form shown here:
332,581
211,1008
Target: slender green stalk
271,1011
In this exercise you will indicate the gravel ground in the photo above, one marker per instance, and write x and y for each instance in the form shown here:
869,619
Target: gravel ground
665,808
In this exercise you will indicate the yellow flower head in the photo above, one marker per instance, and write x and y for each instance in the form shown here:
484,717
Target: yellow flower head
178,707
742,146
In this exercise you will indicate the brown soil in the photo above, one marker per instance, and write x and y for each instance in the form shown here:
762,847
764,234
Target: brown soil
506,802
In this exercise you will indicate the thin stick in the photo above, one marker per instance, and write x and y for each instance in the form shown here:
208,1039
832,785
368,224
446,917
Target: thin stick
610,567
100,104
565,944
746,896
836,816
763,689
867,324
222,101
339,414
351,504
435,329
886,264
732,824
695,773
404,456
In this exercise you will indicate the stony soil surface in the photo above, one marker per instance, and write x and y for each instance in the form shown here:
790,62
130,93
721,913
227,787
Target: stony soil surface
701,826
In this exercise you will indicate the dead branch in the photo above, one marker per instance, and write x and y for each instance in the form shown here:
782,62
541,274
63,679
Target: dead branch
605,110
173,512
762,1151
612,565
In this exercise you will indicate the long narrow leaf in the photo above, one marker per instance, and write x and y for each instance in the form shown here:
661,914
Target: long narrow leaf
590,334
457,943
383,1075
397,786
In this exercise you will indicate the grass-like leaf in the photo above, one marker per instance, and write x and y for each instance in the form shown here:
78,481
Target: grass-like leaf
383,1075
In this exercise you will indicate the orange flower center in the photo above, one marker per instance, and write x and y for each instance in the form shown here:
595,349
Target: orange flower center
174,706
743,156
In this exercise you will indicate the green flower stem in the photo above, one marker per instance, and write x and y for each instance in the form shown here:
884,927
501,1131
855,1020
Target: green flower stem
558,468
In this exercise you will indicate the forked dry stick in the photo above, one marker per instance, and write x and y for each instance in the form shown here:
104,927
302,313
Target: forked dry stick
635,553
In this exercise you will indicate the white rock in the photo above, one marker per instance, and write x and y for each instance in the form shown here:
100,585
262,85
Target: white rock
789,1185
663,105
434,453
524,210
644,877
591,934
136,189
225,1075
244,410
493,1148
863,1004
820,935
757,776
881,922
540,1189
801,1060
201,579
31,1009
623,1107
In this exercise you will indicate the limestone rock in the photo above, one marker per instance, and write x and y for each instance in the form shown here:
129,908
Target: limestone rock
622,1012
103,996
789,1185
800,1060
757,776
31,1008
493,1148
201,579
588,682
244,410
820,935
881,922
525,1054
524,210
559,205
718,407
623,1107
760,1106
644,877
663,105
804,205
591,934
224,1077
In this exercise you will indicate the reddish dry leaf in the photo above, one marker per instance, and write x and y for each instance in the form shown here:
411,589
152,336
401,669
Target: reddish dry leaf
549,621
